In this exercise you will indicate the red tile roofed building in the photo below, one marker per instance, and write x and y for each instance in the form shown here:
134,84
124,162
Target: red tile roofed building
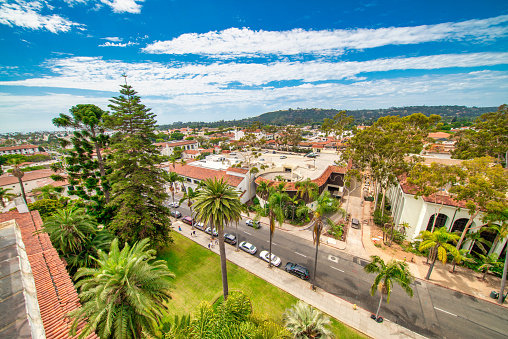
30,180
55,292
167,148
22,149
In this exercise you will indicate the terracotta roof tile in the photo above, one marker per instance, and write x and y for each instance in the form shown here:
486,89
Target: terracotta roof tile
9,179
56,294
201,173
12,148
237,170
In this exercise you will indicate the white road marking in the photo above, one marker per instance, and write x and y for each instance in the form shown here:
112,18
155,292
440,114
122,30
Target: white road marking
335,268
268,241
301,254
333,258
247,233
445,311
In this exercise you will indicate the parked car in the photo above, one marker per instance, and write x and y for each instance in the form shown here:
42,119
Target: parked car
199,225
253,223
188,220
297,270
262,159
265,152
230,238
209,231
311,155
275,259
355,223
174,204
283,157
248,247
176,214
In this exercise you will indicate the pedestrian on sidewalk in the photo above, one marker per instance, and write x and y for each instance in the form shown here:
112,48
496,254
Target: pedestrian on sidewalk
209,246
179,228
216,241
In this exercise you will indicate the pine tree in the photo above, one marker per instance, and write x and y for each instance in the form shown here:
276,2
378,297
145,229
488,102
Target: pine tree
136,181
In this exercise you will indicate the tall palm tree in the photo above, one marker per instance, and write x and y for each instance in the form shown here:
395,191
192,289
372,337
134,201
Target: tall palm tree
325,204
305,322
294,203
4,194
218,204
125,296
172,179
252,171
275,214
264,189
438,242
190,195
388,274
69,229
18,173
308,190
48,191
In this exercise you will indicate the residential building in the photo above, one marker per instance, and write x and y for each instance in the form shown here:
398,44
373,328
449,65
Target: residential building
167,148
22,149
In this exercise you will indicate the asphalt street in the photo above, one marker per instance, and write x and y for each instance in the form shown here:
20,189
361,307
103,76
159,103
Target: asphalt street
434,311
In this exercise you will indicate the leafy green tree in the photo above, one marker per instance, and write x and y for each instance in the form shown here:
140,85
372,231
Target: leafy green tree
125,296
231,319
488,262
46,207
85,163
307,189
218,205
387,274
48,191
173,178
487,137
136,177
306,322
5,195
18,173
176,136
438,242
325,204
337,125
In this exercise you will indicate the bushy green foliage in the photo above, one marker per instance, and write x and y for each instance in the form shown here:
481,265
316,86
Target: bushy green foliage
381,220
46,207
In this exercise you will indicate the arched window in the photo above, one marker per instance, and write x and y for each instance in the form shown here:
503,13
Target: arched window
459,225
487,235
440,221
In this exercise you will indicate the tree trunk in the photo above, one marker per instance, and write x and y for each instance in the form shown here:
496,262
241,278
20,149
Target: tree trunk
270,249
485,274
383,203
22,190
434,258
375,195
379,306
318,236
503,279
222,251
101,166
470,221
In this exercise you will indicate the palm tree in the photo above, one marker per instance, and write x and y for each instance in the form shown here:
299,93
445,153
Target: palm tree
305,322
279,178
264,189
325,204
438,243
48,191
462,256
4,194
252,171
100,240
172,179
476,238
308,190
294,203
125,296
173,161
218,204
190,195
387,274
69,229
488,262
18,173
275,214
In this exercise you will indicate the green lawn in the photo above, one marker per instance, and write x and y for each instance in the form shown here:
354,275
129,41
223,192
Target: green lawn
197,278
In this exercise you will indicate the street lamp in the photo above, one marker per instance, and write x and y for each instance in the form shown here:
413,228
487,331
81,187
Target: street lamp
348,192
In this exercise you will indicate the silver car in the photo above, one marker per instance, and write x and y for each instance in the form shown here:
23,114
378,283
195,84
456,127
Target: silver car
275,259
248,247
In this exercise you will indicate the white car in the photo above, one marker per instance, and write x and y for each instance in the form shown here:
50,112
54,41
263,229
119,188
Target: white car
174,204
252,223
248,247
275,259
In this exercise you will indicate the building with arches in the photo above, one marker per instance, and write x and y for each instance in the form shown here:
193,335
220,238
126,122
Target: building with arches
420,212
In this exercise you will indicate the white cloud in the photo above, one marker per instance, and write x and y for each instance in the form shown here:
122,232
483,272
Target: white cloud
27,15
113,39
121,6
246,42
119,44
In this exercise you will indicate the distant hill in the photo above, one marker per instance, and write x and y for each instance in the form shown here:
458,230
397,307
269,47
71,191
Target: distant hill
364,116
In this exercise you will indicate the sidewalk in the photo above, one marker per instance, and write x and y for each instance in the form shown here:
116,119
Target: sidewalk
326,302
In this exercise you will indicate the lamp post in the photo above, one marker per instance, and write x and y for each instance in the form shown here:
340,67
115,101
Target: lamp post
348,192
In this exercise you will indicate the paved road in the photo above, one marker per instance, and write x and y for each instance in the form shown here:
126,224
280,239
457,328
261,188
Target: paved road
434,311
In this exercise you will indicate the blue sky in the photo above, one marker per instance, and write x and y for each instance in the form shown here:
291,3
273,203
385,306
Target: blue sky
213,60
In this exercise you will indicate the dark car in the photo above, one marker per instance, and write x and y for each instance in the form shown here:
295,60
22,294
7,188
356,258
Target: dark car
355,223
188,220
295,269
230,238
176,214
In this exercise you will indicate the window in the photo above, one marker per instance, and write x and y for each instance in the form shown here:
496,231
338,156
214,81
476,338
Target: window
189,180
440,221
459,225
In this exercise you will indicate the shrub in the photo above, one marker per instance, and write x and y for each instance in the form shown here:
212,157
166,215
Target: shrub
378,220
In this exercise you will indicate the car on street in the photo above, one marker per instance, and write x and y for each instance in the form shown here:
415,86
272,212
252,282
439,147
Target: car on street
275,259
188,220
174,204
230,238
262,159
209,231
283,157
253,223
297,270
355,223
176,214
199,225
248,247
265,152
311,155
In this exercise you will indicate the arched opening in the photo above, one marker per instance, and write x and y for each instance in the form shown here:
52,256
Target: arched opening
440,221
487,235
459,225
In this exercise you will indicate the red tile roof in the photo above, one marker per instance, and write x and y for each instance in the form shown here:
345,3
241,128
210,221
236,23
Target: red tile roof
237,170
56,294
12,148
176,143
201,173
191,151
9,179
440,199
